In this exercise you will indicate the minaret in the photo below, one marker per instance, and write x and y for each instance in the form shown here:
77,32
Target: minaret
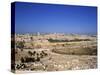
38,33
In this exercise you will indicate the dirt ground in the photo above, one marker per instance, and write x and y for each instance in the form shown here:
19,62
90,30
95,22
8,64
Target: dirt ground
40,56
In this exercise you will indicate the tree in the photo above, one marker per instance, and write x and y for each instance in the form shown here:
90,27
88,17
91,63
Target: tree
32,44
30,53
31,38
38,59
21,45
22,59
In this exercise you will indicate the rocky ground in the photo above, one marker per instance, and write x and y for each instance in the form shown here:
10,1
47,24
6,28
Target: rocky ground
55,55
60,62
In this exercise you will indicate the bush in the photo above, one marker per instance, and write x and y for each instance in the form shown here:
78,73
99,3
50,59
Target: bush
28,59
20,45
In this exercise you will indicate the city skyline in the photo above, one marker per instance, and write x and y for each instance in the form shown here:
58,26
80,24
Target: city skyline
38,17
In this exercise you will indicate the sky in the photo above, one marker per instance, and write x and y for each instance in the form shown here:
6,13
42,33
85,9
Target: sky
38,17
